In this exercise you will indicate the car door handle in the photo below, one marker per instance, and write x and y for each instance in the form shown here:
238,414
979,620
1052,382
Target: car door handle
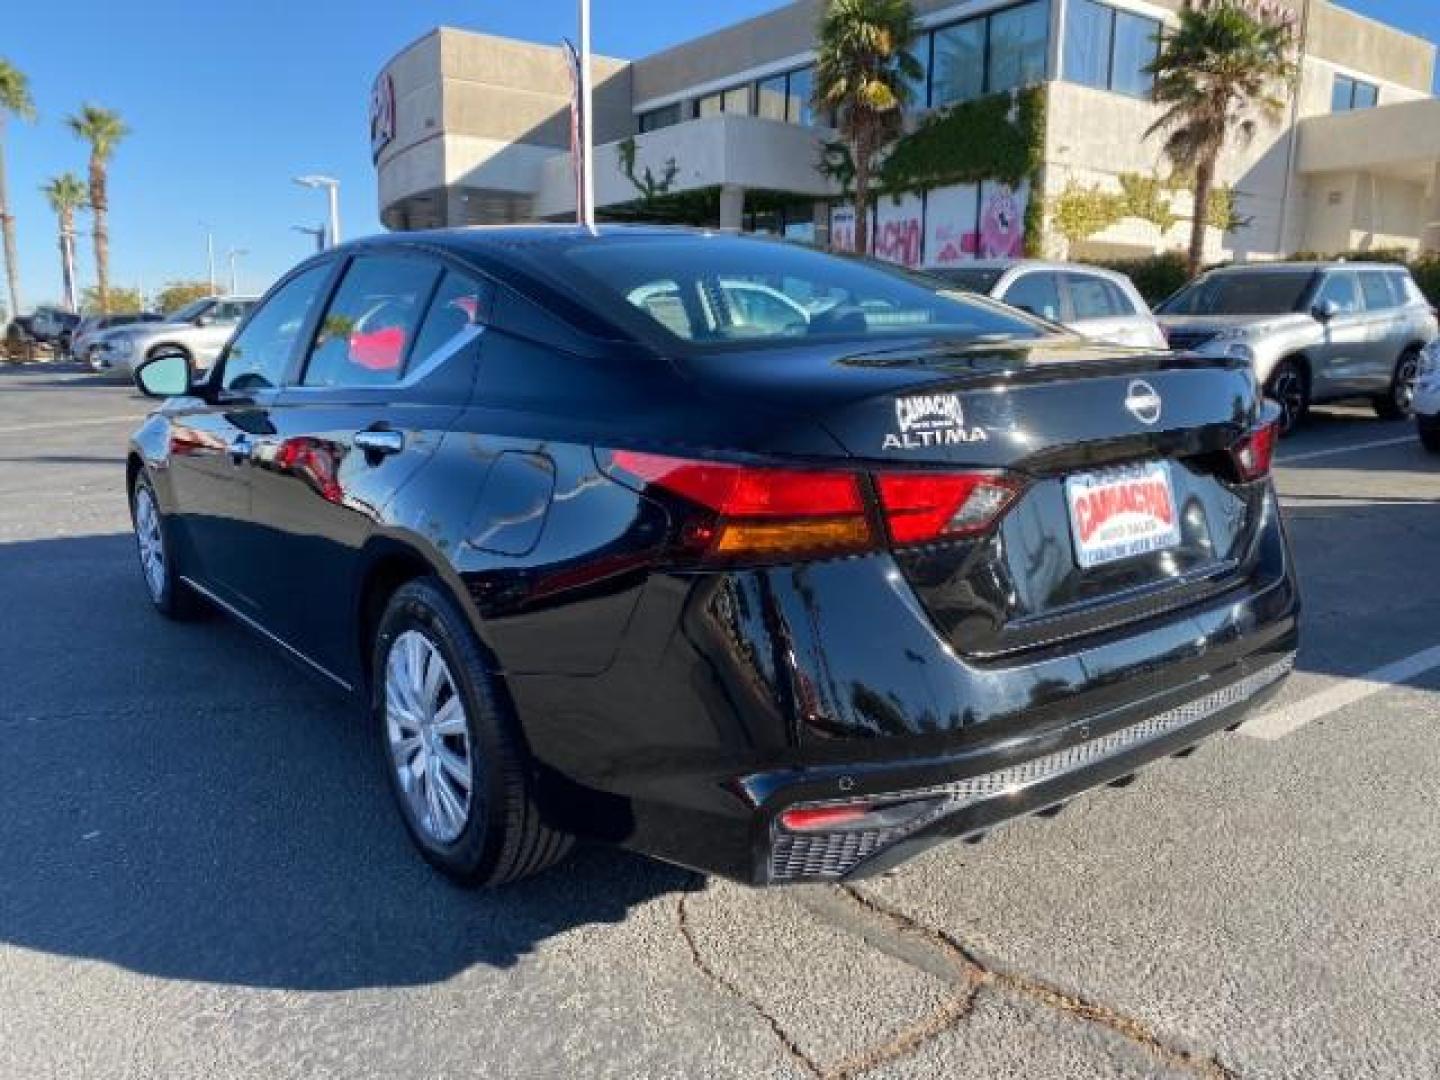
380,442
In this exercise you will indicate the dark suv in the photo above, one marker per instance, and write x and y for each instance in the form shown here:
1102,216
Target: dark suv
785,591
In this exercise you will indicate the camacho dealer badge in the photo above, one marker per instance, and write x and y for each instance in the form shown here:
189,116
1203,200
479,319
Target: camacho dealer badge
927,420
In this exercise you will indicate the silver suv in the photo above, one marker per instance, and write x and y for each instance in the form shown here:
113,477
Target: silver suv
1313,331
199,330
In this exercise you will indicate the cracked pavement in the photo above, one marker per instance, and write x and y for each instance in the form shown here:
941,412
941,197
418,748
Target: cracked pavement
204,876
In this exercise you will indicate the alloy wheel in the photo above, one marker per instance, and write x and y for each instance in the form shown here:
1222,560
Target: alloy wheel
1403,390
430,747
1288,391
150,541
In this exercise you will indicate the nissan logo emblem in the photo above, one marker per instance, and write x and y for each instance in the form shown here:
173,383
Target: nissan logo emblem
1142,401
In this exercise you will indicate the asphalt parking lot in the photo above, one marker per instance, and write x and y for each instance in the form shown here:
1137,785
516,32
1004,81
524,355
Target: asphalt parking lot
203,874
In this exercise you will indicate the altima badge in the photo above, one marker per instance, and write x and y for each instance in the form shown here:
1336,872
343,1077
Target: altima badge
930,420
1143,401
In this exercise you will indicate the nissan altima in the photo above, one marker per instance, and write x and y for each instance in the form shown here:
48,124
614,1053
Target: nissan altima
763,561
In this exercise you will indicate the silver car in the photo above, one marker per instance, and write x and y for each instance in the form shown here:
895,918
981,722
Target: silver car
1099,304
199,330
1313,331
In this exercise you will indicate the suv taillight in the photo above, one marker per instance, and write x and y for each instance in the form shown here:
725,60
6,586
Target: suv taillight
748,512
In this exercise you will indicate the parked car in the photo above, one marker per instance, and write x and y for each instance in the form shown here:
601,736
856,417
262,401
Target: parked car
199,331
87,331
52,326
1099,304
783,607
1427,396
1313,331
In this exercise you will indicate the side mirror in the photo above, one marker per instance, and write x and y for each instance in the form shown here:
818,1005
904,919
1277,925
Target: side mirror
1325,310
165,376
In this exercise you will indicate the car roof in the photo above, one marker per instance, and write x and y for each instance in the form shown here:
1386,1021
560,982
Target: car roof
1331,264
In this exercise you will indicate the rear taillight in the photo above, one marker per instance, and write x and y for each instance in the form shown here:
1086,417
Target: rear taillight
749,511
1253,454
752,511
923,507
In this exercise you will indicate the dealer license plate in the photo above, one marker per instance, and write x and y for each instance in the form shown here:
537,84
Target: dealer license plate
1120,513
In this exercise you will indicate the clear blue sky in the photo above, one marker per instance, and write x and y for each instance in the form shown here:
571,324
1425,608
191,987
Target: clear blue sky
228,101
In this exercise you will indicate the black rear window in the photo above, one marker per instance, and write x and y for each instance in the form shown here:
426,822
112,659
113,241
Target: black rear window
1267,292
710,291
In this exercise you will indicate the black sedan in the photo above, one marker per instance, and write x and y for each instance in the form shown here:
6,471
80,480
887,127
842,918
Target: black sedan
766,562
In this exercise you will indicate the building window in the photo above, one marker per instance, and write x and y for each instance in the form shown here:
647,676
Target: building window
988,55
659,118
735,99
770,97
786,97
1110,49
1353,94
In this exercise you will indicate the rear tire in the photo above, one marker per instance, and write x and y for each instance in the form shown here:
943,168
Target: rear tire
442,723
1429,427
1398,403
158,570
1289,388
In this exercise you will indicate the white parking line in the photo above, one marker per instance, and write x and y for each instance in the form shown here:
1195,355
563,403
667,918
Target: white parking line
1311,455
62,424
1277,723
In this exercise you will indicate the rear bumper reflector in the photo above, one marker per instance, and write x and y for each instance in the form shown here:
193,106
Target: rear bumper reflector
798,856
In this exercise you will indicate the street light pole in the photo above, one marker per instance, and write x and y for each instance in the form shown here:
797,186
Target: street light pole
233,254
317,233
210,254
332,192
587,130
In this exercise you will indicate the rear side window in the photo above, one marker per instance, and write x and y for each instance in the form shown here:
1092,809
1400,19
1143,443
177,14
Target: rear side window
1376,287
1095,298
1342,289
365,337
259,354
1038,294
459,303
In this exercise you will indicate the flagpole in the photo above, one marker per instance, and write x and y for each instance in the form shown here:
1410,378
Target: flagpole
587,138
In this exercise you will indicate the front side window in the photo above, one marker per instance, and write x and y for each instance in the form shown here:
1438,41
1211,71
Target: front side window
711,291
229,311
365,336
1039,294
261,351
192,311
1342,289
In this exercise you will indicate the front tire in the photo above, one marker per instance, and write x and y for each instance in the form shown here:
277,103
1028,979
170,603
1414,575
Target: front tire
1290,389
1398,403
460,775
170,595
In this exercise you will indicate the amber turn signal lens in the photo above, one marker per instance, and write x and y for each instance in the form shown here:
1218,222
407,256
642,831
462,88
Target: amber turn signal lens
777,537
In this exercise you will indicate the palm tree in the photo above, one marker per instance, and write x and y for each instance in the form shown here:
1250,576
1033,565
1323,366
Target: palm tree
102,129
1219,75
14,101
66,194
863,73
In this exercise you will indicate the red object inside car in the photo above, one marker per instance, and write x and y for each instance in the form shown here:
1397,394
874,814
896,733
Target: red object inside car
378,350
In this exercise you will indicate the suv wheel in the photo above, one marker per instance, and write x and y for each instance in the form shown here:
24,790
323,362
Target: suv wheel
1288,388
1399,402
456,766
171,596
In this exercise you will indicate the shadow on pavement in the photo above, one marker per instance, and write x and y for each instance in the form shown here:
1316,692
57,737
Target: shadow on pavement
178,800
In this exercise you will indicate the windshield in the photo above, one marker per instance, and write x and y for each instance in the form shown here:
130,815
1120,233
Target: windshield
1268,292
979,279
189,311
711,291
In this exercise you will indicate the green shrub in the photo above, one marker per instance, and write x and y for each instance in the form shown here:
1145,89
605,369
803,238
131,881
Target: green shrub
1156,276
1426,271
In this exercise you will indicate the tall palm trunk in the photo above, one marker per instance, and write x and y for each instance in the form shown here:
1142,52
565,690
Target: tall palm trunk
862,194
1204,185
67,255
7,226
100,208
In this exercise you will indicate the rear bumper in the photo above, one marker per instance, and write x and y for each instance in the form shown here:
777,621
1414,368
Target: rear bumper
736,696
